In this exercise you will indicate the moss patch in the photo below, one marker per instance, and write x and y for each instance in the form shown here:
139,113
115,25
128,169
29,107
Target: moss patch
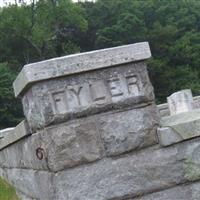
6,191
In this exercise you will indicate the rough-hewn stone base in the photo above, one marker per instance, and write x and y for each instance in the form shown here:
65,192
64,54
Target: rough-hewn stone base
131,176
82,141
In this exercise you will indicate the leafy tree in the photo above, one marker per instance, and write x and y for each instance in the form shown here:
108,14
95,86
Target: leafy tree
30,33
10,110
51,28
171,27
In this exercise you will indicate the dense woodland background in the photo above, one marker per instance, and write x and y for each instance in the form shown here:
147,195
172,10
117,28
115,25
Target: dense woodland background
51,28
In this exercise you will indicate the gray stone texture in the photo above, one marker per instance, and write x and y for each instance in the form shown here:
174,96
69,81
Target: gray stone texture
13,135
22,196
94,132
179,127
129,130
22,154
80,95
182,192
5,132
132,175
78,63
84,140
32,184
181,101
164,109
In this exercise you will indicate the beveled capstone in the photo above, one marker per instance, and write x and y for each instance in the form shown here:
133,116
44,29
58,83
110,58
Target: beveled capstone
5,132
103,80
78,63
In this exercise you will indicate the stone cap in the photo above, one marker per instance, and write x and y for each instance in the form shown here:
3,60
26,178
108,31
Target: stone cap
78,63
12,135
179,127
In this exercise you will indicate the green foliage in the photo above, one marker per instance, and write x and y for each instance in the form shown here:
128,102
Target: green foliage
32,33
171,27
51,28
6,191
10,110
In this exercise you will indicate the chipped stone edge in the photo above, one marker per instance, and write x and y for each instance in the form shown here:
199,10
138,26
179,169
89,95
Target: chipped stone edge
20,131
78,63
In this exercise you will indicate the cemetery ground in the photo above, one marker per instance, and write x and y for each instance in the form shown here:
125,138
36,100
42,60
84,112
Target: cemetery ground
6,191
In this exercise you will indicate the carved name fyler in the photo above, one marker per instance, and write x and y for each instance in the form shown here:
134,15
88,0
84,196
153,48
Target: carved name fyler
95,93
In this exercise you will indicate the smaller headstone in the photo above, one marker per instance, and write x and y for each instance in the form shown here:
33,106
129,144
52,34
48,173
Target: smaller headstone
181,101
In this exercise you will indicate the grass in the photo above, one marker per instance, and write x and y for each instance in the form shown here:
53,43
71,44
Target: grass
6,191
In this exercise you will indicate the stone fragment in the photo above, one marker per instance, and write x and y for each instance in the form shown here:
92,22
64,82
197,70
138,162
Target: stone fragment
181,101
58,100
134,175
79,63
20,131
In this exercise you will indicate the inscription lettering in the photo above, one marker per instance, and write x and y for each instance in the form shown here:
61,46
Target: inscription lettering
59,102
99,92
115,87
132,84
75,90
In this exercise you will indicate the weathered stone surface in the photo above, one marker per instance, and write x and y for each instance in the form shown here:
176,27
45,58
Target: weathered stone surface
183,192
181,101
5,132
78,63
131,176
33,184
82,141
72,144
179,127
55,148
58,100
129,130
20,131
22,154
23,196
182,118
196,102
168,136
164,110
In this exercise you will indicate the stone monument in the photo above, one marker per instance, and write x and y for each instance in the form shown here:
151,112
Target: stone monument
180,102
90,132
